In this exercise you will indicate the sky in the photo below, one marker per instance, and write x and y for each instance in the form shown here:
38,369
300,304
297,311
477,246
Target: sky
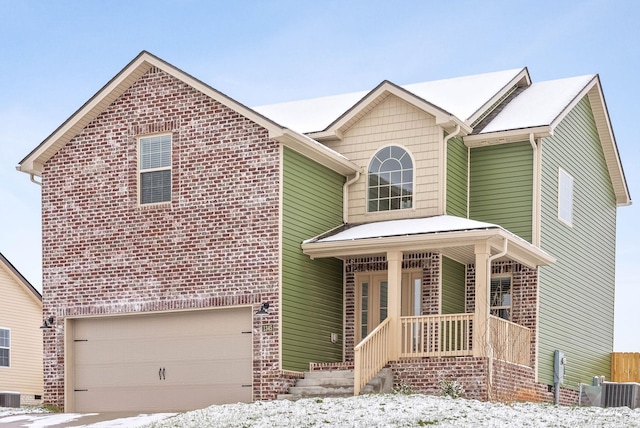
54,56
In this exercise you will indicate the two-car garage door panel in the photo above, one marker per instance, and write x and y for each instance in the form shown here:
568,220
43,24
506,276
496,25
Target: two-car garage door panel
173,361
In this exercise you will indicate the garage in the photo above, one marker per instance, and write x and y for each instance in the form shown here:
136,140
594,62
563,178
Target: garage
171,361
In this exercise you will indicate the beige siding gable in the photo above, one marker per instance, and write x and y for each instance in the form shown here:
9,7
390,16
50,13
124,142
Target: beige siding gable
395,122
21,313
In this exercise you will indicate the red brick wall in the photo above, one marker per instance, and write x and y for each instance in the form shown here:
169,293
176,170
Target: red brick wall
215,244
507,383
524,296
423,374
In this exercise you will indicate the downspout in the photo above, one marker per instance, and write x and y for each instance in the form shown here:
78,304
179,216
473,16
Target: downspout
32,176
468,179
535,228
345,197
489,348
535,234
444,172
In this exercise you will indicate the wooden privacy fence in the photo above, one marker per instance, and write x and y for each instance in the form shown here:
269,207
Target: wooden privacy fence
625,367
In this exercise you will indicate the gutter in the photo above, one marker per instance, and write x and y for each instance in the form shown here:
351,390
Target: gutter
33,180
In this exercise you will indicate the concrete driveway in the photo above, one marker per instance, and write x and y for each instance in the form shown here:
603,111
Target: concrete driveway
93,420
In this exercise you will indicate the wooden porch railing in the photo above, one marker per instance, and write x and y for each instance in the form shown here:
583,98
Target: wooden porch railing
436,335
371,355
509,341
625,367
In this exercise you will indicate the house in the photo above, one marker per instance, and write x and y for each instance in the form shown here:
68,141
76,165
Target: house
20,339
197,251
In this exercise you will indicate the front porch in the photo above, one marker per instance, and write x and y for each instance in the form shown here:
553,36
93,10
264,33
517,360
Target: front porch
404,309
433,336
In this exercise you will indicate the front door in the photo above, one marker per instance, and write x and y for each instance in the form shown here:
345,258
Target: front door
372,297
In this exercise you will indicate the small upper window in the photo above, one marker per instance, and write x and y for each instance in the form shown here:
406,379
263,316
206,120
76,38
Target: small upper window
565,197
5,347
390,180
155,169
501,297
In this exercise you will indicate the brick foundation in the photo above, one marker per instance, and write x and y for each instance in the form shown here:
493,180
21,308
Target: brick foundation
507,383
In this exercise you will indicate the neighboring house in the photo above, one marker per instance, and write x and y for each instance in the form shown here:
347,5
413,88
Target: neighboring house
458,229
20,337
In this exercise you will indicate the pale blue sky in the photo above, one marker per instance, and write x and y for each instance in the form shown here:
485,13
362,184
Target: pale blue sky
55,55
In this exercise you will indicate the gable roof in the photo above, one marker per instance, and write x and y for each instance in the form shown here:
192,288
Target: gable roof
465,98
21,280
34,161
539,109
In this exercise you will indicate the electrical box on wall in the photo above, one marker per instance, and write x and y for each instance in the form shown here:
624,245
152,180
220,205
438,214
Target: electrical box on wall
559,367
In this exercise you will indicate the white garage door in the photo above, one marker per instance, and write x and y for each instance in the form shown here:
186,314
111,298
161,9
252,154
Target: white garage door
161,362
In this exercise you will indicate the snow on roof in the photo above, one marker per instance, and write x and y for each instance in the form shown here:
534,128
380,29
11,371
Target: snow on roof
413,226
460,96
463,96
538,105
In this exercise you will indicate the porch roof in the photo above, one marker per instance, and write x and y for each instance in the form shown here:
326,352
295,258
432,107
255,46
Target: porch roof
455,237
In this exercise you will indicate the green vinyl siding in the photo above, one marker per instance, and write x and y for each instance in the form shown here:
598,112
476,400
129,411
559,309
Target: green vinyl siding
502,187
311,289
453,286
577,292
457,178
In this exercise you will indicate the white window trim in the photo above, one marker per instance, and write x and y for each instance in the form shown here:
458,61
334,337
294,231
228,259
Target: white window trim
413,186
9,348
563,173
139,171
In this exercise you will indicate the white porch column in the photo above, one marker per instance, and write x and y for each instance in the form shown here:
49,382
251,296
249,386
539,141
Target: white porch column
394,302
481,319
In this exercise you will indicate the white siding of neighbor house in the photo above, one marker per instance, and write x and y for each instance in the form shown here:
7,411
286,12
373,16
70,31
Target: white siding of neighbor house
21,312
395,122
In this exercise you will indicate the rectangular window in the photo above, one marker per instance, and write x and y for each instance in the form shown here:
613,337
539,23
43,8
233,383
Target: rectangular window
501,297
5,347
155,169
565,197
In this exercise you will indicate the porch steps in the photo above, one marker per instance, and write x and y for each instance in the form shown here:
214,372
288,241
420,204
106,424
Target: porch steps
336,383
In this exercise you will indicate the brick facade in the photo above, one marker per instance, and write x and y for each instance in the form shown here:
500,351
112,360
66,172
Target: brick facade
215,244
482,378
524,296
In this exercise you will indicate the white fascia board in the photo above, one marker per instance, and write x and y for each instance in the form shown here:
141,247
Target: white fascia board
317,152
33,162
518,249
510,136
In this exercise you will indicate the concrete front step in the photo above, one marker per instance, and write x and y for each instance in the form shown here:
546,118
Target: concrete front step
326,381
336,383
320,374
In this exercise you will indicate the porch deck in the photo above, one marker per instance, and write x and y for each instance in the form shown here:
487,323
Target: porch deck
441,336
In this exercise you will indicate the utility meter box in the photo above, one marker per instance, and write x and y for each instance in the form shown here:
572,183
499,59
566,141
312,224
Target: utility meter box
559,367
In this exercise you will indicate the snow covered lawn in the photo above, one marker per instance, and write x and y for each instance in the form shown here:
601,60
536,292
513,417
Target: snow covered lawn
400,411
393,410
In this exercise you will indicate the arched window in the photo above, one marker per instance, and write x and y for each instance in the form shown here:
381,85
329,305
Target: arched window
390,180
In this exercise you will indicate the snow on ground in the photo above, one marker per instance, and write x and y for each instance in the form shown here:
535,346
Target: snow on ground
400,411
391,410
35,417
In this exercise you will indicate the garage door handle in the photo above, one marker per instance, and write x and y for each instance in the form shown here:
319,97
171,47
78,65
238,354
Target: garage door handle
163,376
160,373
